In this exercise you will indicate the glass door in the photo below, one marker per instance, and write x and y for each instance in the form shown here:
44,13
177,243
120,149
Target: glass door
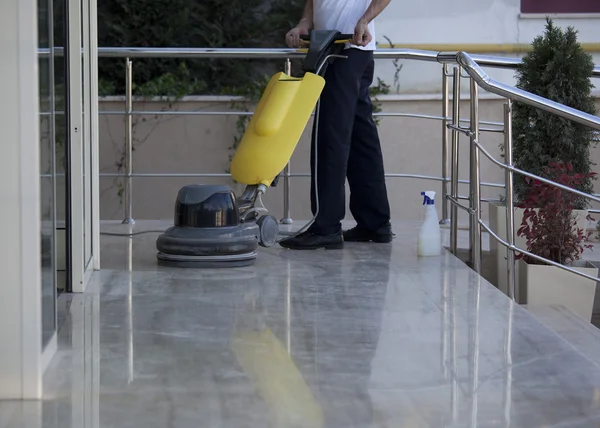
61,144
82,132
87,134
47,169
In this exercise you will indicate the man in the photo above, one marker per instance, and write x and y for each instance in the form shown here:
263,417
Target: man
348,142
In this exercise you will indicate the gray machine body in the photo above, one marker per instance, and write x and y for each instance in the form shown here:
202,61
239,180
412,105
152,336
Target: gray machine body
229,242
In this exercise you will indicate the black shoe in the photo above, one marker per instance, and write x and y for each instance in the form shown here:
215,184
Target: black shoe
357,234
310,241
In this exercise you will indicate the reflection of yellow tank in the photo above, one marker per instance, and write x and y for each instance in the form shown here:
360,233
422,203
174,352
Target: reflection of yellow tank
275,128
279,382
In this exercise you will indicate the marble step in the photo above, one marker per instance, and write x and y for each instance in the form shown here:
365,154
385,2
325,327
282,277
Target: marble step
582,335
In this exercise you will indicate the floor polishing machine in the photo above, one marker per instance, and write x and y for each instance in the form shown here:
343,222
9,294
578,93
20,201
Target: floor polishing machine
215,228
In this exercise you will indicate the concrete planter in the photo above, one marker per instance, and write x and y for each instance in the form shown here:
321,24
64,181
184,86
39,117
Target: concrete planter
542,285
497,222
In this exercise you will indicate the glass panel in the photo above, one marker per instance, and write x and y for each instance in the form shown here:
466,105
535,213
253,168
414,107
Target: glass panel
87,134
60,133
47,170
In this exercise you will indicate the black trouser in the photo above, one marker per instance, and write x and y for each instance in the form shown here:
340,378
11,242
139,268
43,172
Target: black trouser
348,146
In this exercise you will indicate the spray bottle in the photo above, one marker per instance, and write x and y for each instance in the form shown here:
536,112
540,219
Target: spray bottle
430,240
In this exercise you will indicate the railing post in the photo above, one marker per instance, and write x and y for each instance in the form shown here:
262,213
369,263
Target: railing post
128,143
474,179
445,108
510,226
454,163
287,216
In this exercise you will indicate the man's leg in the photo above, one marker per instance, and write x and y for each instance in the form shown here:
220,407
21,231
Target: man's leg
366,176
334,132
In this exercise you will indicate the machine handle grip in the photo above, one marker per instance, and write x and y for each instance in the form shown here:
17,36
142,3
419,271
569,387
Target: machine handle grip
341,38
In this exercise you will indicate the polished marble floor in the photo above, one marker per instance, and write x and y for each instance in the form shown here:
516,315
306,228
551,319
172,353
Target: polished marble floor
371,336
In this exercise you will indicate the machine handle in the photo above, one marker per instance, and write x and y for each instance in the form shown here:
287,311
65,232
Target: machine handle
340,38
322,43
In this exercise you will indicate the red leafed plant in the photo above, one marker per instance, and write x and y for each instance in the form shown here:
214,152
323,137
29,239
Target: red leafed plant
549,223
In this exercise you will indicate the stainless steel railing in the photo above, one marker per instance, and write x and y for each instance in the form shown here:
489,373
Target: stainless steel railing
461,61
248,53
478,78
129,175
209,53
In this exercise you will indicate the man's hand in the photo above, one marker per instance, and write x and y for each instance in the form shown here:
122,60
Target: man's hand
292,38
362,36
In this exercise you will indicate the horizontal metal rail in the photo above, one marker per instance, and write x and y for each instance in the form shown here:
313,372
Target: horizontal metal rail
458,204
501,62
535,177
292,174
248,53
165,175
516,94
175,113
250,113
251,53
274,53
533,256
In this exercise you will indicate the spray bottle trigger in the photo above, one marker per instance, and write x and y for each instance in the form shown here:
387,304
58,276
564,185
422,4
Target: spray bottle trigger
429,197
424,197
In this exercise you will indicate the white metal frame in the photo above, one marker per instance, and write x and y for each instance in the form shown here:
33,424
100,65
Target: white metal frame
75,145
83,140
87,137
93,13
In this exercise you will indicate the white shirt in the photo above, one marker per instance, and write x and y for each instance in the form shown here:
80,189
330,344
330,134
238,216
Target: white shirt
342,15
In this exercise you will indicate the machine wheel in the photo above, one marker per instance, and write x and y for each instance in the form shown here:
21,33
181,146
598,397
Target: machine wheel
268,230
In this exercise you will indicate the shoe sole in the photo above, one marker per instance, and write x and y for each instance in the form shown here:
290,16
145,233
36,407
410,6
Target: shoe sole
380,240
338,246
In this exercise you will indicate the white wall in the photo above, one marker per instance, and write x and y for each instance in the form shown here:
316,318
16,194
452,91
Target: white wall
466,22
20,284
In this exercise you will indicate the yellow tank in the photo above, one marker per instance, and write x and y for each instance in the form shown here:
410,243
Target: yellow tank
275,128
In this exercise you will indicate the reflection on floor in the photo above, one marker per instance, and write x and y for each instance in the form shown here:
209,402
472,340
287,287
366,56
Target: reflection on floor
370,336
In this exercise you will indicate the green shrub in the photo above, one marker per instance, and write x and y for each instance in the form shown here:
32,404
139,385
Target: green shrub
559,69
191,23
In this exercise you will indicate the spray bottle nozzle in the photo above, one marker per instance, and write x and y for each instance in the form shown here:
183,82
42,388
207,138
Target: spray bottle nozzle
429,197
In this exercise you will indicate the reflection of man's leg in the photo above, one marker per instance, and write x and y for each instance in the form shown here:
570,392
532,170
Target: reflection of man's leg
366,176
348,316
334,131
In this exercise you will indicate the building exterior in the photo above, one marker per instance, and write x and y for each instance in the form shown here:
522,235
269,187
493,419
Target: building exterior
50,163
495,27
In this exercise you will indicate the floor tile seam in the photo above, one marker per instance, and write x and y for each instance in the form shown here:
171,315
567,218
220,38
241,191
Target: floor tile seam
491,287
465,386
585,327
571,422
569,344
518,365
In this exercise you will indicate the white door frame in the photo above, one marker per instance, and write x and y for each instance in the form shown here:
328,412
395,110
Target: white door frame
83,133
75,83
95,124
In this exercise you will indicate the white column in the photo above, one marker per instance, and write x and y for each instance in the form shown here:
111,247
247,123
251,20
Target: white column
20,276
